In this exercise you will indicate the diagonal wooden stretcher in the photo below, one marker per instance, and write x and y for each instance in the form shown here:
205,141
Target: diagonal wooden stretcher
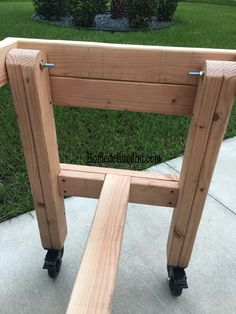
119,77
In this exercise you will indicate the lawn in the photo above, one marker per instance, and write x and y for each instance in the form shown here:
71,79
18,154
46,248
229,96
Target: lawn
81,130
224,2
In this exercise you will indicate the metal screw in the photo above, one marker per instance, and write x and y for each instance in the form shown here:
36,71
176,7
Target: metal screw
44,65
201,73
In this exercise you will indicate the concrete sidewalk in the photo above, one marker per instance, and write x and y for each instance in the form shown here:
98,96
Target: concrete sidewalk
141,286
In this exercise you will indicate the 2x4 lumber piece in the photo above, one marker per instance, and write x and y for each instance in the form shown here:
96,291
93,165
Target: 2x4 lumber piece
128,96
216,135
5,46
154,192
142,190
30,87
121,172
204,114
94,286
137,63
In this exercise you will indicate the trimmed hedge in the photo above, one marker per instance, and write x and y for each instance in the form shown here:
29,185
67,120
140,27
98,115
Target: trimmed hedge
102,6
140,12
166,9
51,9
118,8
83,12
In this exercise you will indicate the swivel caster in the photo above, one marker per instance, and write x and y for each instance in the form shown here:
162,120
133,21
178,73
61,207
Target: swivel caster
177,280
53,262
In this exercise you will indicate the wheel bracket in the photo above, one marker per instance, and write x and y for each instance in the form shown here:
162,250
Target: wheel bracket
52,258
178,275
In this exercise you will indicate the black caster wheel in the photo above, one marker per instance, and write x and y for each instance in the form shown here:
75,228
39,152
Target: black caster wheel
174,289
177,280
53,261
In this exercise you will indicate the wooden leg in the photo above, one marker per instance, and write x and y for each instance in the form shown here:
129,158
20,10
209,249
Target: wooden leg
211,112
30,87
216,135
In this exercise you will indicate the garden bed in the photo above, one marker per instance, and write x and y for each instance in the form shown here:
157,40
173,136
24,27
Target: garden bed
105,22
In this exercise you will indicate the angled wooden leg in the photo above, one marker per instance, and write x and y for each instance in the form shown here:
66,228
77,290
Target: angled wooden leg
216,135
30,87
211,112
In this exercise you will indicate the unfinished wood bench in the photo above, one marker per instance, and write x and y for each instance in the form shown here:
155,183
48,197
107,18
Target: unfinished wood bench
200,83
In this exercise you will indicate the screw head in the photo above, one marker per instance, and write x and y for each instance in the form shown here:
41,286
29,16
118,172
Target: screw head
44,65
192,73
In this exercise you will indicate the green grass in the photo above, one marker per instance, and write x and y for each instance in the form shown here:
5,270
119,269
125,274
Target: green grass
81,130
224,2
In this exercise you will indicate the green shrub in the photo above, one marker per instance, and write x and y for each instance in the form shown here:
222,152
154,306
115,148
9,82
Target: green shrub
166,9
140,12
118,8
102,6
83,11
50,10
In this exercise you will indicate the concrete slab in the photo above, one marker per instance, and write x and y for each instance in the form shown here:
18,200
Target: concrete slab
224,179
141,283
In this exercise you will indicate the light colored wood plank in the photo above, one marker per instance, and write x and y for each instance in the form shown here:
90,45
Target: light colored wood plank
120,172
32,97
83,184
5,46
94,286
142,190
216,135
126,62
25,128
153,192
204,108
118,95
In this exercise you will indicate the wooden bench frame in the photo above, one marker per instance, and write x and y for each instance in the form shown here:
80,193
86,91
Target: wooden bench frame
121,77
